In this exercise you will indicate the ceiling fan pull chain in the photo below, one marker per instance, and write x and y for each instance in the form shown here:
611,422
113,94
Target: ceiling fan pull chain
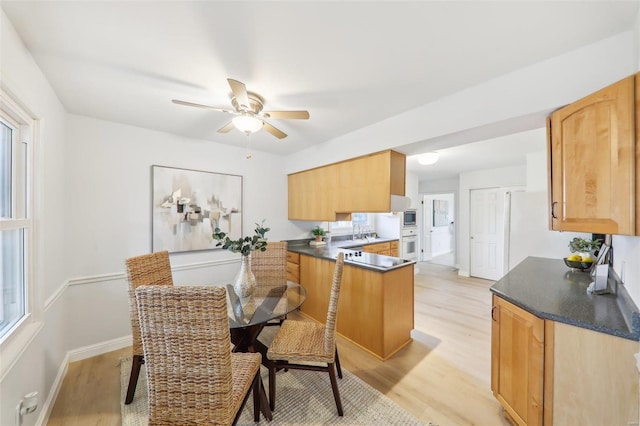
248,155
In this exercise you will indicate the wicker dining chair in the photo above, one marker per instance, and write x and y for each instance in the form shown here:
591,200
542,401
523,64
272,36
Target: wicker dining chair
271,263
148,269
193,377
270,270
300,342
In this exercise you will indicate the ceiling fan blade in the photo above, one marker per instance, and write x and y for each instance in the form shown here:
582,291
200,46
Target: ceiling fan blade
296,115
275,132
240,93
176,101
226,128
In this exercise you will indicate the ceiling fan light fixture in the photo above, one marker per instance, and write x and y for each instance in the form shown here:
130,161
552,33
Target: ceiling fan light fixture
247,123
428,158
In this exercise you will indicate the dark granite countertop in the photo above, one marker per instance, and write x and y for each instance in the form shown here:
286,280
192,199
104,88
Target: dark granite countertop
550,290
330,251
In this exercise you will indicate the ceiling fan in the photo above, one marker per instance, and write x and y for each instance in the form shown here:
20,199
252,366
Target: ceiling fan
249,117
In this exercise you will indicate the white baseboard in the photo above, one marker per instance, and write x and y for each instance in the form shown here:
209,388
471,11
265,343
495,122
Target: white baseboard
441,253
99,348
45,412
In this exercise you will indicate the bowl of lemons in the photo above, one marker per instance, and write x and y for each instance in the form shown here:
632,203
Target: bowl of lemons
576,261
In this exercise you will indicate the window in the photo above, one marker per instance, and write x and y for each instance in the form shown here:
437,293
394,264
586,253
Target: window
15,220
360,219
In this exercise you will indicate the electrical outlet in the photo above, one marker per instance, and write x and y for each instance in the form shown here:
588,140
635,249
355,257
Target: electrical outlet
28,404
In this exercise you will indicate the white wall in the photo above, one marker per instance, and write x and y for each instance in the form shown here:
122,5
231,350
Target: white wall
109,174
38,365
411,190
439,186
537,172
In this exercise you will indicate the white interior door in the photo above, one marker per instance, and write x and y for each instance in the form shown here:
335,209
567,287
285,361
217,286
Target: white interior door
486,242
427,213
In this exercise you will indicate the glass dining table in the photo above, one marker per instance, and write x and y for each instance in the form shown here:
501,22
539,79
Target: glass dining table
271,299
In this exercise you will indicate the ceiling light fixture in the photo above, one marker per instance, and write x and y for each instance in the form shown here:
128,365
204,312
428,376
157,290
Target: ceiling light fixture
428,158
247,123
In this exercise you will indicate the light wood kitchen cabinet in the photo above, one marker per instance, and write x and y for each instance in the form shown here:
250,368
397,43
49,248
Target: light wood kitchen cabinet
334,191
375,309
595,381
378,248
545,372
593,144
394,249
517,362
293,267
312,191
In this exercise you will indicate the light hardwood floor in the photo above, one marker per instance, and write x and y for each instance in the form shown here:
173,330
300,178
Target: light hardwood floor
442,377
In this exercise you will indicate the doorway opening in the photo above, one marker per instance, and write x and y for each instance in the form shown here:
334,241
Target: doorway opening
438,238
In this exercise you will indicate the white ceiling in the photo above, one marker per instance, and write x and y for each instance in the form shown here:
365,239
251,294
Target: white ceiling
350,64
503,151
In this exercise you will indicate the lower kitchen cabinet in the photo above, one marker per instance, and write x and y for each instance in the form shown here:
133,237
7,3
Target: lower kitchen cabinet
375,309
517,362
394,249
378,248
387,249
545,372
293,267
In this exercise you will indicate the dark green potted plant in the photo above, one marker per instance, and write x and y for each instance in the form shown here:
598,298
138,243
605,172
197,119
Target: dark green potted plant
318,233
581,245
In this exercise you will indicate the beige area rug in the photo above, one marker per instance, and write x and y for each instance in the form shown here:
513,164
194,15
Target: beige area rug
303,398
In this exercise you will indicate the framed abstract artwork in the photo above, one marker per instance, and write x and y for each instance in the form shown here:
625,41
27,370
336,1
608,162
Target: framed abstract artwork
187,205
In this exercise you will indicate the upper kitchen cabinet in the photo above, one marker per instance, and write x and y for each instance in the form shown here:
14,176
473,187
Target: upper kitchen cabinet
592,151
363,184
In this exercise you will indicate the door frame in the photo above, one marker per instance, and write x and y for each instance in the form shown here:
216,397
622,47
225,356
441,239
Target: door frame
427,209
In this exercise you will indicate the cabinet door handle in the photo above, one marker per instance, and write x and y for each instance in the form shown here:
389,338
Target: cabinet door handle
493,309
553,210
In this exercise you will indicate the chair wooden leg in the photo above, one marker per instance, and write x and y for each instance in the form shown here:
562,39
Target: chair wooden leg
256,397
136,363
272,386
264,403
334,387
338,364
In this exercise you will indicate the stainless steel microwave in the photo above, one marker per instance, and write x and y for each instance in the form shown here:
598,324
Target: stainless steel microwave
410,218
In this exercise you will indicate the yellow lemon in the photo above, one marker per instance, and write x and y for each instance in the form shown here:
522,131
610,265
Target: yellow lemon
575,258
587,259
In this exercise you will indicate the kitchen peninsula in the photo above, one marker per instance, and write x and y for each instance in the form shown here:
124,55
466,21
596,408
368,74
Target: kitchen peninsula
561,355
375,310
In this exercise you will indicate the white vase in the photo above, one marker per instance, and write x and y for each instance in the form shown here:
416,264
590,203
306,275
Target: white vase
245,281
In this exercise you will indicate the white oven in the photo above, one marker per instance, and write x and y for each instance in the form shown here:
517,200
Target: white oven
409,243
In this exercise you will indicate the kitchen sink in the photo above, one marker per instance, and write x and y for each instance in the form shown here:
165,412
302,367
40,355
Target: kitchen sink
356,242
